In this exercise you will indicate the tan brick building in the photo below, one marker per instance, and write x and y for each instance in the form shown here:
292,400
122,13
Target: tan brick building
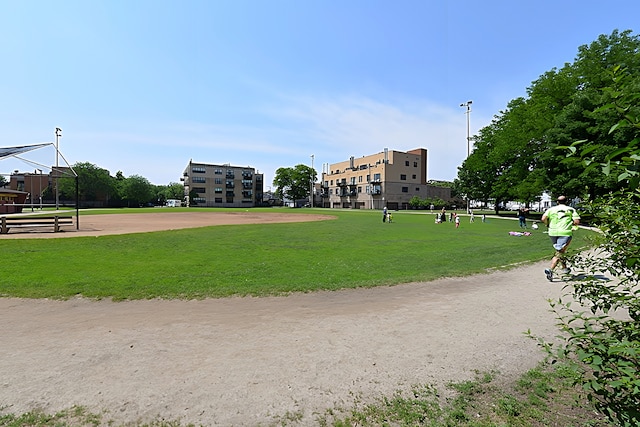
222,186
389,178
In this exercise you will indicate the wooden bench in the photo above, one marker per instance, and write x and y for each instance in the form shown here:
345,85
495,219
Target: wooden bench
8,222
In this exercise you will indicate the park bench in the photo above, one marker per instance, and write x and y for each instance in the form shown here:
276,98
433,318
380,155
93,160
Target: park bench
9,222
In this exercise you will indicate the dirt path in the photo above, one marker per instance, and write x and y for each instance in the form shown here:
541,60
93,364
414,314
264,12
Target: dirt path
242,361
245,361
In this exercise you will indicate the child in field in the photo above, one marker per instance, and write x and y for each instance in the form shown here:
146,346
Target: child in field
457,220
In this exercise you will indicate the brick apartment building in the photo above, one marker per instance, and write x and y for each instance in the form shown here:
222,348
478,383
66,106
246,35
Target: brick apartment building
212,185
389,178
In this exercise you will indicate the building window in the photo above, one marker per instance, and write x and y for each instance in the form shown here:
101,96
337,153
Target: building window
414,176
359,189
218,200
197,169
417,189
218,171
198,179
218,181
199,199
360,178
376,177
415,164
403,177
406,162
405,189
218,190
199,189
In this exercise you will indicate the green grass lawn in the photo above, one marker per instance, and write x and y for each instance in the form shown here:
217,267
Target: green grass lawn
355,250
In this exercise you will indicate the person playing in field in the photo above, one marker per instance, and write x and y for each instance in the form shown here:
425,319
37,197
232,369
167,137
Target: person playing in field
522,217
560,219
457,220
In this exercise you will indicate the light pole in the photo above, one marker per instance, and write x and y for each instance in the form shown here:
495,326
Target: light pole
58,136
468,113
311,183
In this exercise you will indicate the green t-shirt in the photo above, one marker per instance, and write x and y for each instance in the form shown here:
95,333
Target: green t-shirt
561,220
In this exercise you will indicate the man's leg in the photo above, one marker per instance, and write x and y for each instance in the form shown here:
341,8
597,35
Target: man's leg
559,257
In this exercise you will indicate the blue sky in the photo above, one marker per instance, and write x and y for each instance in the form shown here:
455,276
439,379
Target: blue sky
144,86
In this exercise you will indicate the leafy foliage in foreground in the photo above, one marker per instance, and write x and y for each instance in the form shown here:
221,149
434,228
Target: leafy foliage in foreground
602,334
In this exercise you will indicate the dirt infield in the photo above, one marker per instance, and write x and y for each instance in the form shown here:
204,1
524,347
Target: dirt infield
250,361
99,225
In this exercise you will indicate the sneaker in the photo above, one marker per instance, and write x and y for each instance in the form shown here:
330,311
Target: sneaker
549,274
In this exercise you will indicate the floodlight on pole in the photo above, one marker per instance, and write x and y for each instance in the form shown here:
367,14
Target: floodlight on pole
468,113
58,136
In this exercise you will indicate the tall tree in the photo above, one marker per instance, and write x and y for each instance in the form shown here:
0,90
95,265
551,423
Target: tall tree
520,152
294,183
174,190
94,183
137,190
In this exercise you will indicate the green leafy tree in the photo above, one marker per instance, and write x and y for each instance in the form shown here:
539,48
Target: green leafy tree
517,156
294,183
603,334
503,164
174,190
94,183
137,190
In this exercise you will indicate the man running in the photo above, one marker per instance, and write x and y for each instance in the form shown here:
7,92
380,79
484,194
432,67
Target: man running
560,219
